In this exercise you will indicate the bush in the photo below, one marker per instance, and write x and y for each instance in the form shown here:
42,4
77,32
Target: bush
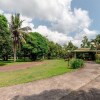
76,63
26,59
97,57
98,61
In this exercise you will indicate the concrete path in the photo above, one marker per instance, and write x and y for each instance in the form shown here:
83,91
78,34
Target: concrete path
56,88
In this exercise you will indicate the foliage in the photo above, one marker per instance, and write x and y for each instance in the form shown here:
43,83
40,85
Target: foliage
98,39
85,43
5,40
70,47
98,61
6,49
96,42
3,26
17,32
97,58
68,50
36,46
55,50
16,40
76,63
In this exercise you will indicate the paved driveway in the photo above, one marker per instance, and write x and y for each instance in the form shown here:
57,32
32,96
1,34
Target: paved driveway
58,87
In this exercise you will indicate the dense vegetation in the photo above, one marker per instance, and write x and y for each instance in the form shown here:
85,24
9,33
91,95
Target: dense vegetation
17,43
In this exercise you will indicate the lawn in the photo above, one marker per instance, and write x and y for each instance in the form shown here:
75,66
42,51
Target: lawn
3,63
46,70
10,62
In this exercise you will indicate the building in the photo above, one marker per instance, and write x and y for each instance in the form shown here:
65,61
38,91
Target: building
86,53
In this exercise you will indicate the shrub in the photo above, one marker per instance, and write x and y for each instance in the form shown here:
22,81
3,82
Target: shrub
97,57
98,61
76,63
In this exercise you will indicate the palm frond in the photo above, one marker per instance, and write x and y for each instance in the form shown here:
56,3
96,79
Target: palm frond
27,28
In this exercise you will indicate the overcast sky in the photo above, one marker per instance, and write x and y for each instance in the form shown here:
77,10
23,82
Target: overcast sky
58,20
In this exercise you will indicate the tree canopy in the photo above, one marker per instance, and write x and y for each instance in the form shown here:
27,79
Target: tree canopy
32,44
85,42
36,46
5,39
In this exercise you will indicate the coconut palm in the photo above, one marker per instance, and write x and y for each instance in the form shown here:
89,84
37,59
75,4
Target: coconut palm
17,32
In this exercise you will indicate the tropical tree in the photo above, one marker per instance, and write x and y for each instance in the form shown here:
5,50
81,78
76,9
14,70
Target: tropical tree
17,32
85,43
36,46
52,50
96,42
5,40
58,50
70,46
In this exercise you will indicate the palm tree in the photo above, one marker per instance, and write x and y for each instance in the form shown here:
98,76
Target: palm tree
17,32
96,42
85,42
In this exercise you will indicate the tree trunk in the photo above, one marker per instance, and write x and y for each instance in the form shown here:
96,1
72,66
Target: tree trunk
14,52
5,57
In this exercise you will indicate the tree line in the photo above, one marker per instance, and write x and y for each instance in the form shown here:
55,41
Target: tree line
16,42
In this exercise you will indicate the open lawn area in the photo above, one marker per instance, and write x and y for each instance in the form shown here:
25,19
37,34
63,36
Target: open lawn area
45,70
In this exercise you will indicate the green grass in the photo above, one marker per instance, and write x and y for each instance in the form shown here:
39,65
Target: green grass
10,62
49,69
98,61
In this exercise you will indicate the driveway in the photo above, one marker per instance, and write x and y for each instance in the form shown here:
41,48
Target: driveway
58,87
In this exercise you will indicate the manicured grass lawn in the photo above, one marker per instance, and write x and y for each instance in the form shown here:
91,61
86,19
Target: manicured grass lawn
49,69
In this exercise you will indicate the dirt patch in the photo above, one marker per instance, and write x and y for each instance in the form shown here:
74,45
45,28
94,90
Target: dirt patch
19,66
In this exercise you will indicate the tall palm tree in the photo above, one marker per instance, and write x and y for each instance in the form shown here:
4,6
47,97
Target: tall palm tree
17,32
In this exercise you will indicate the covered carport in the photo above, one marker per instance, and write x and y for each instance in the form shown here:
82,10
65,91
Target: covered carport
85,53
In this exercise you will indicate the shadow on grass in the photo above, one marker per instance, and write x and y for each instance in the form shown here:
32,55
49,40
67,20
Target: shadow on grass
2,64
92,94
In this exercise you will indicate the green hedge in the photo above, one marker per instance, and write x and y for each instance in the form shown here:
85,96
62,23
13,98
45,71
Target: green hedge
76,63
